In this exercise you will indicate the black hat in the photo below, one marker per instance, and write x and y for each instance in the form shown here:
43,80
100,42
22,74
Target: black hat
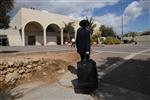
84,23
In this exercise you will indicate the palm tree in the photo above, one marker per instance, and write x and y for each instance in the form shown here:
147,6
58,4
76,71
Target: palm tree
69,30
92,25
5,7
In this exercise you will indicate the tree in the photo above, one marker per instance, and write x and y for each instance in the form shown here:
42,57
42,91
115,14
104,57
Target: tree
92,25
103,31
5,7
107,31
69,30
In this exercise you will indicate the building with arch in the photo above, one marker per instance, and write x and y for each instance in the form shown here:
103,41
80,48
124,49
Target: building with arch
35,27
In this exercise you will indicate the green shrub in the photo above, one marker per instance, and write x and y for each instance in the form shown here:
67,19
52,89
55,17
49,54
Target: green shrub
111,40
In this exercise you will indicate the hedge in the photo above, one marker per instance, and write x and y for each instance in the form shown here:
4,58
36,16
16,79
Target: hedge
111,40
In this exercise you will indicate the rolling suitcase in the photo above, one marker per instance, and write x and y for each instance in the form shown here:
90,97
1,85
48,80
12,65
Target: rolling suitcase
87,75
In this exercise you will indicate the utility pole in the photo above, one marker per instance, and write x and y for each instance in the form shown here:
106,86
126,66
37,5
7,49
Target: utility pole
122,22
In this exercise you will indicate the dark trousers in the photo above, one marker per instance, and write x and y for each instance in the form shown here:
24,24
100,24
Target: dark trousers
82,56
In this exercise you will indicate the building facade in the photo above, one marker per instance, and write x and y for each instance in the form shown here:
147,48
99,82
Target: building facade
34,27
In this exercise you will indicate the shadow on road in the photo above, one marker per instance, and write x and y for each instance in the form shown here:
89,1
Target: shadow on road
129,81
7,95
134,74
7,92
8,51
107,63
72,69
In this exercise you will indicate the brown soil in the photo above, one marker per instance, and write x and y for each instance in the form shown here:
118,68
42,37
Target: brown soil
50,74
65,56
45,75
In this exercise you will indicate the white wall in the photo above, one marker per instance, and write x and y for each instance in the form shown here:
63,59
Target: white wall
144,38
14,37
45,18
16,21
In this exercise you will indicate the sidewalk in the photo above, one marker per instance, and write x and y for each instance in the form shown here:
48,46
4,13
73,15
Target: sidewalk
61,90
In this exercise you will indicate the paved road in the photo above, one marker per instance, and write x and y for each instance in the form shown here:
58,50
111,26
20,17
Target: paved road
126,67
134,74
27,49
118,48
126,48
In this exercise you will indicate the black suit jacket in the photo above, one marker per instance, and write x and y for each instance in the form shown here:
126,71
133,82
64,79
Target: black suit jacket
83,40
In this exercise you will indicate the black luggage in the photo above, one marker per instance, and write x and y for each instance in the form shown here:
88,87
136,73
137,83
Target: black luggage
87,75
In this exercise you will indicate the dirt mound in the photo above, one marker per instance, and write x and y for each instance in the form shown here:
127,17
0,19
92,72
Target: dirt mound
47,67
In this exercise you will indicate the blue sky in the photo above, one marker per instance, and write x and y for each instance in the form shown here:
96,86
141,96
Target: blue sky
136,13
139,24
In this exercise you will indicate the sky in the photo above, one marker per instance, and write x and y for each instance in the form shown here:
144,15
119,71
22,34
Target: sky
135,13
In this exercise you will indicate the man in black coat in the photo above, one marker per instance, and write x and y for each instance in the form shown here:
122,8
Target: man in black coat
83,39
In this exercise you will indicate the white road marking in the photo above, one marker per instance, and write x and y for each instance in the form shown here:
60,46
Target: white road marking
117,52
113,66
95,54
134,54
112,52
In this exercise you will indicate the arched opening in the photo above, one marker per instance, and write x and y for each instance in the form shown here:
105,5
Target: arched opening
33,34
53,34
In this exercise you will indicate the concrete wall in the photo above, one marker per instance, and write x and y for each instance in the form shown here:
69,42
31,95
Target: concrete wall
16,21
14,37
45,18
145,38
